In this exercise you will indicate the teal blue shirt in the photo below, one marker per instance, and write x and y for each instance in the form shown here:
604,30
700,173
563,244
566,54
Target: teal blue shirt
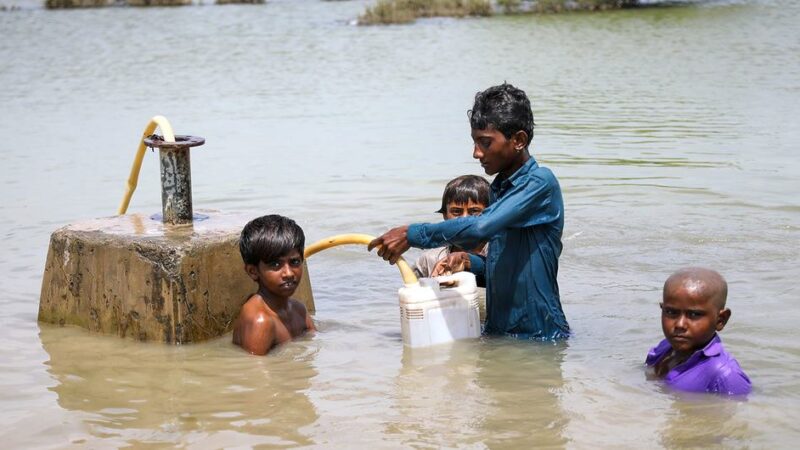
523,226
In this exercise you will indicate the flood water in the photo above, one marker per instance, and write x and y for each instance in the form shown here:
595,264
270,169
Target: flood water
674,133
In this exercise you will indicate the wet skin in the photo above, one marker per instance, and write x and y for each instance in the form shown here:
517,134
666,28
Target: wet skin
270,317
278,279
689,318
498,154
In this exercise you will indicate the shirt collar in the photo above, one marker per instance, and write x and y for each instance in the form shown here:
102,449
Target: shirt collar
714,346
502,184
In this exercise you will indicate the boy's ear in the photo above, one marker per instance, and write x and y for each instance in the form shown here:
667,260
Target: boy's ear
722,318
252,271
520,140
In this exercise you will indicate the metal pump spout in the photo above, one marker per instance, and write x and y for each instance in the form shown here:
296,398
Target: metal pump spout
176,177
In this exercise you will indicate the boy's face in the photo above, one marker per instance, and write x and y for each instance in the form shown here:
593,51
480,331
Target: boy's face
455,210
279,277
496,153
689,318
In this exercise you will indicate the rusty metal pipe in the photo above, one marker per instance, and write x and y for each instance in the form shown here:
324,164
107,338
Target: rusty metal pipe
176,177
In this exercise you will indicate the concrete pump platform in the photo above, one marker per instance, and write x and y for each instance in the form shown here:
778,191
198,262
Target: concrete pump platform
133,276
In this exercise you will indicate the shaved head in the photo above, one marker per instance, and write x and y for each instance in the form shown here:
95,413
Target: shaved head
699,282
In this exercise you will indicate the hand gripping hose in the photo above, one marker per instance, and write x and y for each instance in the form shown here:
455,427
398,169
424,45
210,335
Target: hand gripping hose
354,238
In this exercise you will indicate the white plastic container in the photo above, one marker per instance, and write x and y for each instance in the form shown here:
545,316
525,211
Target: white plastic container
430,314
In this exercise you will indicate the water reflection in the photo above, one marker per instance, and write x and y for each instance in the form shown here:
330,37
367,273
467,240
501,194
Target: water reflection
703,421
673,133
522,380
438,397
156,393
494,392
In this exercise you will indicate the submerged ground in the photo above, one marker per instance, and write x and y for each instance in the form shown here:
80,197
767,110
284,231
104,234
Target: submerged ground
673,132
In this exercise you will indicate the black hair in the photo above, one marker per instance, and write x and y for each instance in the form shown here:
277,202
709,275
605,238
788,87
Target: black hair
267,238
505,108
464,189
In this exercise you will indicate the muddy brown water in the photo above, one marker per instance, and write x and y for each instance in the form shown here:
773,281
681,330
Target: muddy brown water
673,132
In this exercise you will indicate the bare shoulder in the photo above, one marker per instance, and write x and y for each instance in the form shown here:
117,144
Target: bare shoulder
254,311
299,309
298,306
253,306
255,328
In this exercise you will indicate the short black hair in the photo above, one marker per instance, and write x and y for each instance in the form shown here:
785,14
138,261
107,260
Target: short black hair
267,238
505,108
465,188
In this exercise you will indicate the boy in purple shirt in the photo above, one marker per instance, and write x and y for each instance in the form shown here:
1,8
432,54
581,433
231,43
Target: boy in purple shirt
692,358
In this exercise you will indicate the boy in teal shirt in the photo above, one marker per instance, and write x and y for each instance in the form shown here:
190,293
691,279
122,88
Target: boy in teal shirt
523,225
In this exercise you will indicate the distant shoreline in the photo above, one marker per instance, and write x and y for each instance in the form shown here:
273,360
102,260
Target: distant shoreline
387,12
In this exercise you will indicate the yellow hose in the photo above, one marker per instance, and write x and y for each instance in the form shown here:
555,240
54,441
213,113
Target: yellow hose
355,238
166,129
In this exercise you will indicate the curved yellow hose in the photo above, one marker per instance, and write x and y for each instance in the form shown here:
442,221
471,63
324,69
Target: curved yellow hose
355,238
159,122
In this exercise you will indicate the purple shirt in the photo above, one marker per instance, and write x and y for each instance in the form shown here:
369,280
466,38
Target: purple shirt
711,369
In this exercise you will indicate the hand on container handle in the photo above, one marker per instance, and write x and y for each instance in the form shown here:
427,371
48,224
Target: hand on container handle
454,262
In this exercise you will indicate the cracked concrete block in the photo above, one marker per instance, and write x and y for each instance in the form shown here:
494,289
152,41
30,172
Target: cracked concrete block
135,277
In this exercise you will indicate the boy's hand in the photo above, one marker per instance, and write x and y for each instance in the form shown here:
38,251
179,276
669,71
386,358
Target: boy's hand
391,244
454,262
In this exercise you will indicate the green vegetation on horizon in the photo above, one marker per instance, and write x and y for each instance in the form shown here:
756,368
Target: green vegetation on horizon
386,12
543,6
404,11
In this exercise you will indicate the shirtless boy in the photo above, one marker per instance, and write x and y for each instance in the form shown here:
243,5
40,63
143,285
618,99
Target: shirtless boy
272,250
692,358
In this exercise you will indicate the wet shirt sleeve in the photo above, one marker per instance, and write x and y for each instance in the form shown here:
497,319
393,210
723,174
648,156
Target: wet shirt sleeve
731,380
477,267
524,205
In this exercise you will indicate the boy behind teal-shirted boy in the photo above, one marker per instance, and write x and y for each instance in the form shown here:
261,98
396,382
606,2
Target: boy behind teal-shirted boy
523,225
